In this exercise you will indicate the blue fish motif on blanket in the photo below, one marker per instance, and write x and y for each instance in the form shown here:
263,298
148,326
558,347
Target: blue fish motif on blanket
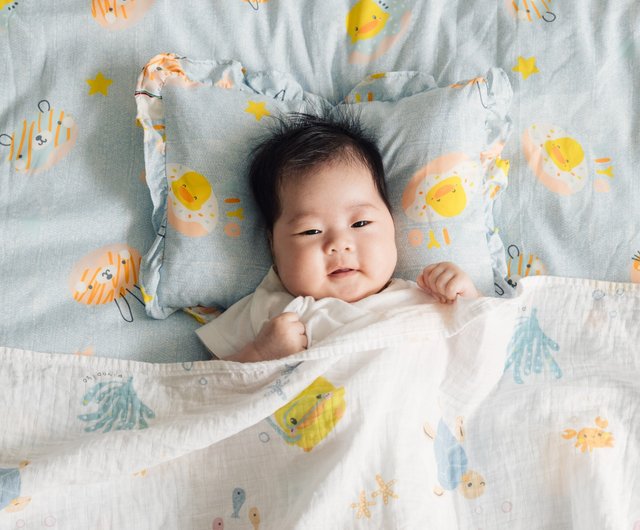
9,486
450,456
237,498
120,407
530,345
452,462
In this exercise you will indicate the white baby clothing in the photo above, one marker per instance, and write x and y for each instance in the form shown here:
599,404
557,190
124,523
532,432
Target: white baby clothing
240,324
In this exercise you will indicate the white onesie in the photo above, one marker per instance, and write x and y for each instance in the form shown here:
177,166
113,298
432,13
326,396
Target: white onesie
241,323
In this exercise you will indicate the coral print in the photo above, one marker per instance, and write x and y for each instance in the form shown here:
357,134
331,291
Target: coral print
107,275
374,26
309,417
591,438
119,14
119,407
41,142
531,347
559,160
451,458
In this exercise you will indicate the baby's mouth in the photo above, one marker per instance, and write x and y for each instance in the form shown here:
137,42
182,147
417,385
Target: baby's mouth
343,271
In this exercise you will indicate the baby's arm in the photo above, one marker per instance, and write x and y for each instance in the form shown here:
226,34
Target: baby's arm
445,281
282,336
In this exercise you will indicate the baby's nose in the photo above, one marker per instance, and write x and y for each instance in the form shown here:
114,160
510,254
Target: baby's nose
340,245
340,248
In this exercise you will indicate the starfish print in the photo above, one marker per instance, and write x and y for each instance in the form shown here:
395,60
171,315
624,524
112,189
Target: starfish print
385,489
99,85
258,109
526,67
363,506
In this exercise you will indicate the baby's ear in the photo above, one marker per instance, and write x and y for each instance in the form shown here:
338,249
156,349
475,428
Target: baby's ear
270,240
273,257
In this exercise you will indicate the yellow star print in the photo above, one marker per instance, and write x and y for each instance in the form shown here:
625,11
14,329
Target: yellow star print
526,66
99,84
258,109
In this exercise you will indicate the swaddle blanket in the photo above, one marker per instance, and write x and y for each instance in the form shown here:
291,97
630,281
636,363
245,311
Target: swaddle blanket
492,413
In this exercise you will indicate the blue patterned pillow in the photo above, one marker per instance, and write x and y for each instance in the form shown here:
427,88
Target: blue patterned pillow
201,120
441,148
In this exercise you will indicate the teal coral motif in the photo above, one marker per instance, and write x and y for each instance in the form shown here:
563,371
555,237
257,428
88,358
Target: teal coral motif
530,345
120,407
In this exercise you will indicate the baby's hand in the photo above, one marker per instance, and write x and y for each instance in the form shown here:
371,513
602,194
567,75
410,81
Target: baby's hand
282,336
445,281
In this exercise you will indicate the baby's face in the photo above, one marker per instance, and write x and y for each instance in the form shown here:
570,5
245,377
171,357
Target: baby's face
335,236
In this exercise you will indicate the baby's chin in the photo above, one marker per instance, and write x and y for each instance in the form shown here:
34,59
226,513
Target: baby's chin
345,293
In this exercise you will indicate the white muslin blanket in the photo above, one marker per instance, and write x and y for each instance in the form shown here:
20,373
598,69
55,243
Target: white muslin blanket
520,413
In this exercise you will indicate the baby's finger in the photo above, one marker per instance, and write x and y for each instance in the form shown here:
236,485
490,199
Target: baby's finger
427,270
452,288
289,316
298,328
442,279
420,281
435,271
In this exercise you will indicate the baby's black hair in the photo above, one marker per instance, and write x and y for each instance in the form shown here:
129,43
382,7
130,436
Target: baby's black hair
299,142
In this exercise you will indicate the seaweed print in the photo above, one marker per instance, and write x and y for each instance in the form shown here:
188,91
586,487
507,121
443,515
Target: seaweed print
530,344
120,407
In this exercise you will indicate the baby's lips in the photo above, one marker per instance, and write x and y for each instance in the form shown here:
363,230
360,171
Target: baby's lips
338,270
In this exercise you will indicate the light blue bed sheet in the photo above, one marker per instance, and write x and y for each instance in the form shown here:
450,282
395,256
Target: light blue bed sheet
81,207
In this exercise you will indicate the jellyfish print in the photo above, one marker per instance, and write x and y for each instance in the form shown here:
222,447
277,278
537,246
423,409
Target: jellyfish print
529,349
119,407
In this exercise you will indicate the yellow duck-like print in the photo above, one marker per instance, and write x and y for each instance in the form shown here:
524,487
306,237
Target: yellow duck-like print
309,417
365,20
440,187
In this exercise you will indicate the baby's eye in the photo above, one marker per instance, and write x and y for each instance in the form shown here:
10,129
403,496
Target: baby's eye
360,224
312,232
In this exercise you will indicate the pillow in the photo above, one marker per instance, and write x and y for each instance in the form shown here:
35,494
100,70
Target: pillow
441,151
202,118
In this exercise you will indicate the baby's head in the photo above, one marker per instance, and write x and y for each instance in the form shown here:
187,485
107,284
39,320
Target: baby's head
319,183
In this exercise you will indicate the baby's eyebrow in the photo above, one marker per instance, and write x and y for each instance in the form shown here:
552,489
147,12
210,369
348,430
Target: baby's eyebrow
311,215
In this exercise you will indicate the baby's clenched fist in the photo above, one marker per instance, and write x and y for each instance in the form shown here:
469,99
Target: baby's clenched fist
282,336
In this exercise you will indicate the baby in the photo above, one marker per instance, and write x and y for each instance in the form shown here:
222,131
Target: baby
320,186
